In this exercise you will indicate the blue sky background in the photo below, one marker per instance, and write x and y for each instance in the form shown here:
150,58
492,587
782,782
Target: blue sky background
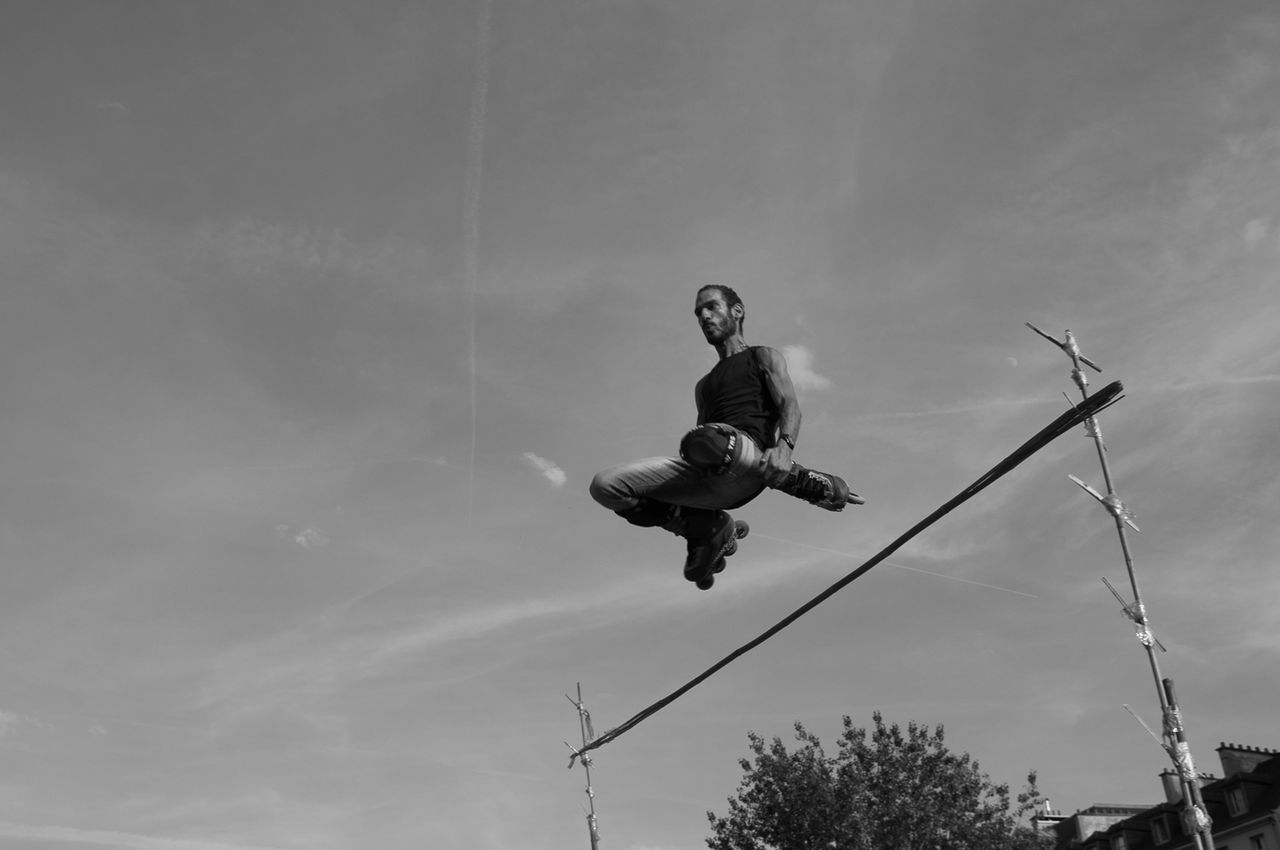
295,544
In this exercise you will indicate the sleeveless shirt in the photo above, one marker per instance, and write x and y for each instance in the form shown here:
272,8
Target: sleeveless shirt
734,392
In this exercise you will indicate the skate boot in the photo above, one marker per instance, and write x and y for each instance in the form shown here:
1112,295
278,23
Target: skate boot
824,489
712,536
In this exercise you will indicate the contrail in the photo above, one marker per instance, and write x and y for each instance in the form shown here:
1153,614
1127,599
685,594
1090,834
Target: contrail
1227,381
899,566
471,219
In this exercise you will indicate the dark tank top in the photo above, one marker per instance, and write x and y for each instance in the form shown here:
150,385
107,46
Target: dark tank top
734,392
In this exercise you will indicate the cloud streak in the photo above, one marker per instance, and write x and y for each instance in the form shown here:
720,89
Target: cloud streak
549,470
111,838
980,407
307,538
896,566
1226,381
10,720
800,365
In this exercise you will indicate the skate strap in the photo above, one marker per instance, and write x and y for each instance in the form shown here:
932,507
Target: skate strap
1091,406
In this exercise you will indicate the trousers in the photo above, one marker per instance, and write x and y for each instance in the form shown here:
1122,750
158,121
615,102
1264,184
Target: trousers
674,481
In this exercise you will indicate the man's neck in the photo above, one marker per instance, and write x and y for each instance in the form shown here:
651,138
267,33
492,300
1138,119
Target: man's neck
731,346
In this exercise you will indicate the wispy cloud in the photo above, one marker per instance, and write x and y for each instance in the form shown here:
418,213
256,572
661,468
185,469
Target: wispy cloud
549,470
979,407
1256,231
302,664
307,538
1224,381
111,838
11,720
800,364
898,566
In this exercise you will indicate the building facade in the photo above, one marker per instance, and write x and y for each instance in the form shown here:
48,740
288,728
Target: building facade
1244,806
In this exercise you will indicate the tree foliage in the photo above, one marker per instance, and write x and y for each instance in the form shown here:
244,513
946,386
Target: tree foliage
881,790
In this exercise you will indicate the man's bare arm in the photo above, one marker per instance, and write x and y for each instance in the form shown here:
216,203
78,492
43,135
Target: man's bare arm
777,460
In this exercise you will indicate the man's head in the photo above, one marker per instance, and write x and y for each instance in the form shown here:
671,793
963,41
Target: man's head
720,312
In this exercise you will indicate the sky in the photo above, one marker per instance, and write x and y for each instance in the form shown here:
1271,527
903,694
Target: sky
317,318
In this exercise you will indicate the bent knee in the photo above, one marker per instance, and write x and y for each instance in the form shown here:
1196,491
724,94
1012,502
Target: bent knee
602,489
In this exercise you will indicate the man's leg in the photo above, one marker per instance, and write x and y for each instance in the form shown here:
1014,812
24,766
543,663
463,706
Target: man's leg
629,488
679,496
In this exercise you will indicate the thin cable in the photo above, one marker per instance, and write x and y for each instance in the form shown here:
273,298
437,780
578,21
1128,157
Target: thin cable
1100,400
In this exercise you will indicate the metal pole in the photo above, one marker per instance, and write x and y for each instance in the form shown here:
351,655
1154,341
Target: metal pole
584,724
1196,819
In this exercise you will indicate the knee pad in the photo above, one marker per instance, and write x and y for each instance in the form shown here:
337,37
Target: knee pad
711,447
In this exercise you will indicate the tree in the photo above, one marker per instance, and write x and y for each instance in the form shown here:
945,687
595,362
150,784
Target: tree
883,791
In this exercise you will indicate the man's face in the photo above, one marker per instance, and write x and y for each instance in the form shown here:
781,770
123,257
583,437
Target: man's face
716,318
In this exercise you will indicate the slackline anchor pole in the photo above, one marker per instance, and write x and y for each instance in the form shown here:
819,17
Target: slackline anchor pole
588,733
1195,817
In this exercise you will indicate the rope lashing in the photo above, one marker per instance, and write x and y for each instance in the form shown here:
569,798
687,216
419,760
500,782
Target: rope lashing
1094,404
585,715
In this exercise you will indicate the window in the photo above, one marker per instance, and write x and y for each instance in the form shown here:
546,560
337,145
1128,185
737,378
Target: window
1258,842
1160,830
1237,802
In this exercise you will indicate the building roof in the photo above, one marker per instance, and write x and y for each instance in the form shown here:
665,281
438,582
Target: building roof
1254,771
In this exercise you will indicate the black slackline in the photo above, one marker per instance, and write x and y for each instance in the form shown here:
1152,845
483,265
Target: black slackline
1094,404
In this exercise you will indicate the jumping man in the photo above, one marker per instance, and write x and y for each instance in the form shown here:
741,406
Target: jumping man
748,422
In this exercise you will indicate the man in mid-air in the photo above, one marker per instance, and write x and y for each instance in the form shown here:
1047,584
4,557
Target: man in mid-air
748,422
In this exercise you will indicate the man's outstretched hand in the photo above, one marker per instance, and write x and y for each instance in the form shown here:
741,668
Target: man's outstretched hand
777,464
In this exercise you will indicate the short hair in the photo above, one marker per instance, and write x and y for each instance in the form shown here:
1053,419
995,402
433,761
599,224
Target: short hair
731,298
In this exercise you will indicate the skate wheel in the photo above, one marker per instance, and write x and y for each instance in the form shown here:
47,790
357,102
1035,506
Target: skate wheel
741,529
730,548
705,583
